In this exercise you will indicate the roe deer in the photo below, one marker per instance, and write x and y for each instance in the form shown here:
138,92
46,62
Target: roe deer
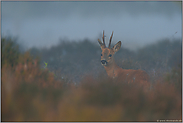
114,71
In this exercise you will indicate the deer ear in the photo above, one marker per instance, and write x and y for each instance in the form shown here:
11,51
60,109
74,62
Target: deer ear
101,44
117,46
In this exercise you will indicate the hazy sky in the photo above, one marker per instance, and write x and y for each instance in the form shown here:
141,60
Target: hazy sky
134,23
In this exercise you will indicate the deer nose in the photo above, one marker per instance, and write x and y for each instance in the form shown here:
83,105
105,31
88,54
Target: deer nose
104,62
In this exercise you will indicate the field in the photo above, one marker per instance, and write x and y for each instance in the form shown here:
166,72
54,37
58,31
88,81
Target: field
64,83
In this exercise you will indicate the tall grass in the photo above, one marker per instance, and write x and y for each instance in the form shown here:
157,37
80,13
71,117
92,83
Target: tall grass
99,99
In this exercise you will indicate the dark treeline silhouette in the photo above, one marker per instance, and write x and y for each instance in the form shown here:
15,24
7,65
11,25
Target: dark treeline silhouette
73,60
74,86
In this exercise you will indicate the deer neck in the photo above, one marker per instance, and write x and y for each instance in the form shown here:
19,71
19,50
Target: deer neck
112,69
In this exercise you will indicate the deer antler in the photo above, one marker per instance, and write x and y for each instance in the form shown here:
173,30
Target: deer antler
103,39
110,40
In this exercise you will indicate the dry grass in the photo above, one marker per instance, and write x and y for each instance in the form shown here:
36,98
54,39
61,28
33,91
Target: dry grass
32,94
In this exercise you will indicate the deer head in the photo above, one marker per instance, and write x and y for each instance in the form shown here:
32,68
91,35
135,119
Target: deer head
107,52
114,71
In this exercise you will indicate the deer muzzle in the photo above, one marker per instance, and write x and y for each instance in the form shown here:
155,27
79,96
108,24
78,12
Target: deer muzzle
103,62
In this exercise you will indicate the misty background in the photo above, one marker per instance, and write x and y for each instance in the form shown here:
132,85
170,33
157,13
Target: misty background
64,35
51,61
43,24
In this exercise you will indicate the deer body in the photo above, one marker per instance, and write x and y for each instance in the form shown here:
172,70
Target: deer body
113,70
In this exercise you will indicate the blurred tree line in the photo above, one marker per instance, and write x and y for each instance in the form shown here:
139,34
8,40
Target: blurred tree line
74,60
10,52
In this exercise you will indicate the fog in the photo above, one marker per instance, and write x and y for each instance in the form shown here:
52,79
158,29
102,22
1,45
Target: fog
43,24
51,61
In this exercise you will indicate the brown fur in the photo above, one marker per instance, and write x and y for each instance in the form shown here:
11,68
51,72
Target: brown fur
114,71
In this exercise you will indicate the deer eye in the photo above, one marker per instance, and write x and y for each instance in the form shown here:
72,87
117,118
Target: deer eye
110,55
101,54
